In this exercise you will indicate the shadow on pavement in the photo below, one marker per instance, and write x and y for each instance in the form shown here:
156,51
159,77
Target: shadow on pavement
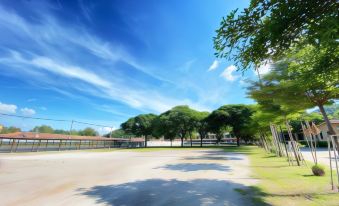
171,192
190,167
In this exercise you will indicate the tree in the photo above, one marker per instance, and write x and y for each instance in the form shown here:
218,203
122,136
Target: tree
118,133
43,129
164,126
140,125
7,130
88,132
217,123
267,28
239,118
305,78
184,119
202,125
180,120
61,131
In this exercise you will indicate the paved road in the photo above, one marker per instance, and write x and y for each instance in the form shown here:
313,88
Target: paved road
322,156
178,177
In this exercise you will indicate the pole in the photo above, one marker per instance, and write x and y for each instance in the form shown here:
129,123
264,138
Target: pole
293,146
330,158
335,155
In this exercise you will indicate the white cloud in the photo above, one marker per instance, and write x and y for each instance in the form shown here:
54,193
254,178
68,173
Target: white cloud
92,81
8,108
27,111
214,65
264,68
228,73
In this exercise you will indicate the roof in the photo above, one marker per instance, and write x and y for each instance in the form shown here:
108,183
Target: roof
48,136
332,121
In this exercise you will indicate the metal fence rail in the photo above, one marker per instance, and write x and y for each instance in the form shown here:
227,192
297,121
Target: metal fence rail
8,145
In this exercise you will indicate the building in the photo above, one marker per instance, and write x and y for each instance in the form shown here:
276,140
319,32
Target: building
323,128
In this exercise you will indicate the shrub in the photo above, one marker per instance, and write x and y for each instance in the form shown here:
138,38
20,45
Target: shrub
321,143
318,170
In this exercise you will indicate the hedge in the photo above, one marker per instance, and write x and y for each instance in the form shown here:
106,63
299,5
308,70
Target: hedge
319,143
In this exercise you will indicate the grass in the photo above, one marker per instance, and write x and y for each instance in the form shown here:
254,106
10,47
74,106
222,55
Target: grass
281,184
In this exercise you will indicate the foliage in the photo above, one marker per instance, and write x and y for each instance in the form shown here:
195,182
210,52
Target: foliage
48,129
307,77
322,143
202,125
237,117
318,170
218,123
43,129
119,133
267,28
6,130
88,132
141,125
180,120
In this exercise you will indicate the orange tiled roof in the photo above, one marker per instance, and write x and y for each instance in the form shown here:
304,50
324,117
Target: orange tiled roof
48,136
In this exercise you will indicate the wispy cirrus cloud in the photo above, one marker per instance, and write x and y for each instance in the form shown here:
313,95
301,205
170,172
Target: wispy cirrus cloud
214,65
50,57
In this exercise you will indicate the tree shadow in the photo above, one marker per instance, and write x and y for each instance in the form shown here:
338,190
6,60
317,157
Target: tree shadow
170,192
190,167
214,157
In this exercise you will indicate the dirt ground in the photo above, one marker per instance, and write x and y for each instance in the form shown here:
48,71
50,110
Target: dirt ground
168,177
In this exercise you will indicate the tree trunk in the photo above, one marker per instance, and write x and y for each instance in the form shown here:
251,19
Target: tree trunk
201,141
171,141
182,142
191,139
329,125
238,141
145,140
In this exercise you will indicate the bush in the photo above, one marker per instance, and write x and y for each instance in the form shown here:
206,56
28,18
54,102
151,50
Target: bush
318,170
321,143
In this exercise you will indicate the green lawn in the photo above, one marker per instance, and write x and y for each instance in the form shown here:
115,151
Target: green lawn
281,184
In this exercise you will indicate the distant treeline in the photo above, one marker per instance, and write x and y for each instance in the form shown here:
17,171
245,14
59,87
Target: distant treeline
48,129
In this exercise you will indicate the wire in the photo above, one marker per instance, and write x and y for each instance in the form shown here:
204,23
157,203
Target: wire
19,116
57,120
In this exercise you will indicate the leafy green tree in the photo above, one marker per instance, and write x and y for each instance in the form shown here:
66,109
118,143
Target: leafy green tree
164,126
305,78
180,120
140,125
218,123
239,118
43,129
267,28
88,132
61,131
7,130
184,119
202,125
118,133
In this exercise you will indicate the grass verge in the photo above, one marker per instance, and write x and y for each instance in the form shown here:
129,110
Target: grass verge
281,184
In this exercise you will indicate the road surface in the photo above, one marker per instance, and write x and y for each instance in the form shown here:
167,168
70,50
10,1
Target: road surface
167,177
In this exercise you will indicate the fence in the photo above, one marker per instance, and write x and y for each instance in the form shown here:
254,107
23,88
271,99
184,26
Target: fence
35,142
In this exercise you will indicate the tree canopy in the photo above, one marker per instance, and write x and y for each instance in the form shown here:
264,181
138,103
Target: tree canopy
11,129
267,28
141,125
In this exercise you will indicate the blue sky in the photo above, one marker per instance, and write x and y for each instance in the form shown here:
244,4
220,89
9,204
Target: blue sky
105,61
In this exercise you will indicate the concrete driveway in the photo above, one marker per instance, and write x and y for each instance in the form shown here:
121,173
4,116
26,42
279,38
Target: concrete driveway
168,177
322,156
